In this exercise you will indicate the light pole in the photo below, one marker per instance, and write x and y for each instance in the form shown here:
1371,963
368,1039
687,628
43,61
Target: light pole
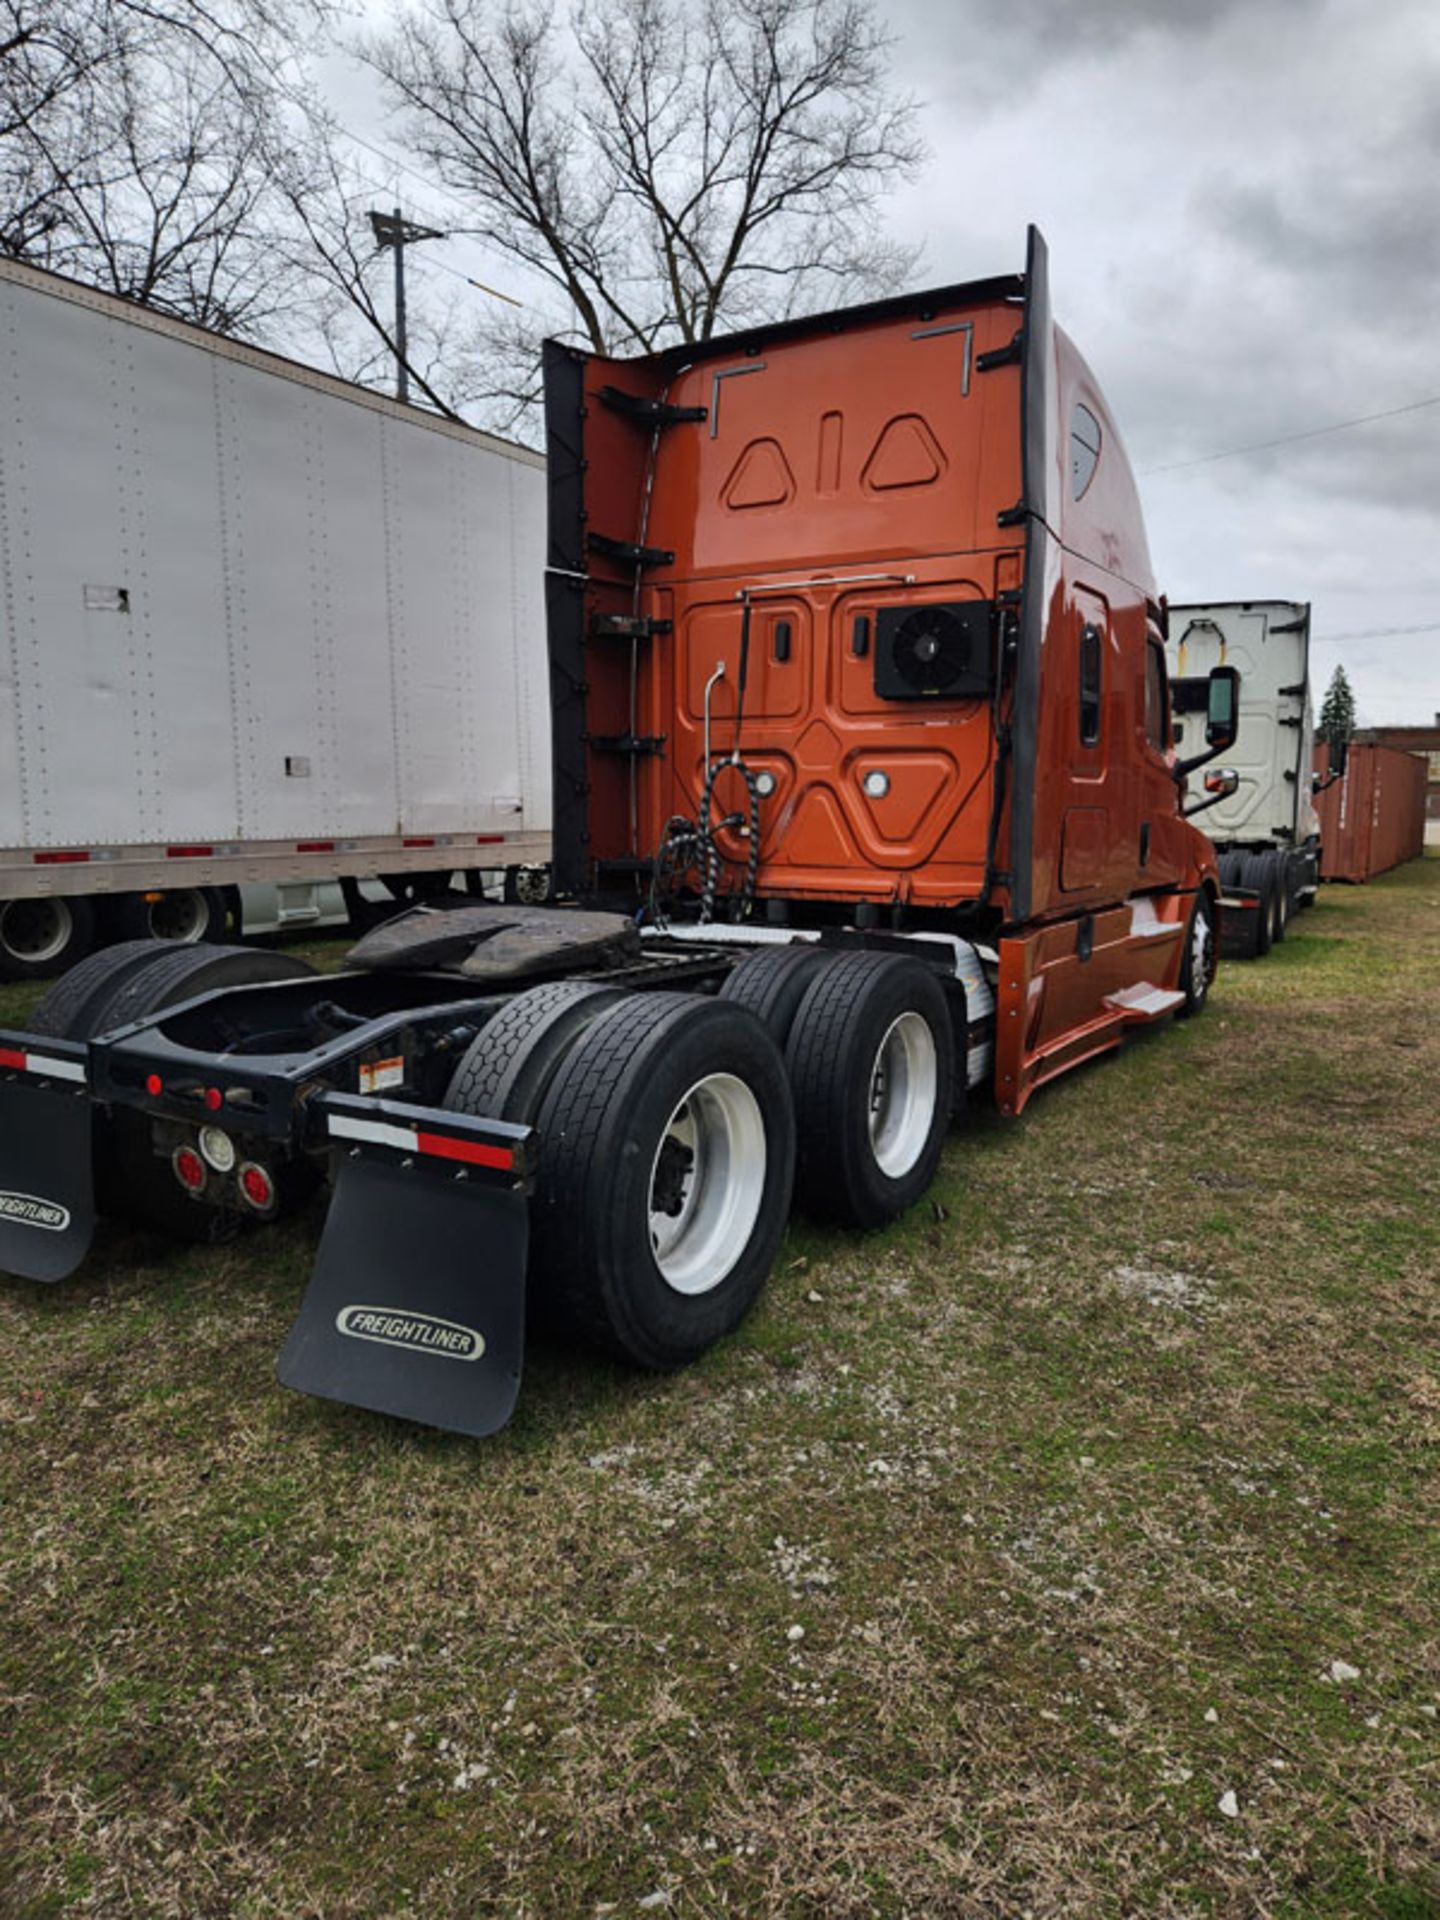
393,230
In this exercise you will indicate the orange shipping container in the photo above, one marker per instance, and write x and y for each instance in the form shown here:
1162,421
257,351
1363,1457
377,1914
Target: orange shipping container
1374,818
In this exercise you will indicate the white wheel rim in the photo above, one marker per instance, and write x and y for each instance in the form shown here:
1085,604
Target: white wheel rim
707,1181
181,917
904,1085
1200,957
35,930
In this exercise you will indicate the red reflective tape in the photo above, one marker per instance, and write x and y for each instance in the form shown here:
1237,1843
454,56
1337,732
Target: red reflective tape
489,839
10,1057
314,846
189,853
445,1147
419,841
59,859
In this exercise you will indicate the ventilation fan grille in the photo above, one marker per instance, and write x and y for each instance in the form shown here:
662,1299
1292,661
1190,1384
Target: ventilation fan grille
936,652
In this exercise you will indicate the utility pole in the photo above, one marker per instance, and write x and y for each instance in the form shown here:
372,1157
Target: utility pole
393,230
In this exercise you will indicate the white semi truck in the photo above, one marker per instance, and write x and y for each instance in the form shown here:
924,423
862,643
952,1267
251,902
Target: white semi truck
263,632
1265,831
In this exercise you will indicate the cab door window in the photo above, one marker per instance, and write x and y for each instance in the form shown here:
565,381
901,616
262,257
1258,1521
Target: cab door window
1157,699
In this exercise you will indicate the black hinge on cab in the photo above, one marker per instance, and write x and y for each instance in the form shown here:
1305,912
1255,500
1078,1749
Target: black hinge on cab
653,413
629,551
638,744
1006,356
626,626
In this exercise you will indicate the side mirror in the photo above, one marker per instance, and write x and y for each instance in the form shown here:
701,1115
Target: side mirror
1222,712
1339,754
1222,782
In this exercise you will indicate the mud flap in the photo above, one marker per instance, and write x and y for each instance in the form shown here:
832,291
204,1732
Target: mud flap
47,1183
417,1304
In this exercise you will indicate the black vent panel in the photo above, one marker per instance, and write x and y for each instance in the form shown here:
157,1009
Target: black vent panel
937,652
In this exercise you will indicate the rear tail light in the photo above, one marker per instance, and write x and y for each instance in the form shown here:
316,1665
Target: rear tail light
257,1188
189,1169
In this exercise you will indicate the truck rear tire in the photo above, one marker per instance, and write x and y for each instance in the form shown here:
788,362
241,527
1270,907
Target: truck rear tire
667,1157
182,916
1257,876
505,1071
871,1061
772,984
42,937
135,1181
68,1010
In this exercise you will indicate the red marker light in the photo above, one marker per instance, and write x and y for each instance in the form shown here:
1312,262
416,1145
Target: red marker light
257,1187
214,1099
189,1169
154,1084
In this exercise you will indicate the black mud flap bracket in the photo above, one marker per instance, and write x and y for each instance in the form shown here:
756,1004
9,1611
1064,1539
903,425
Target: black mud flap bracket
416,1307
47,1180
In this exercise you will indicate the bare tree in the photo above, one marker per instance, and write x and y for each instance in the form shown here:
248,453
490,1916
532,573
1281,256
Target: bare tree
138,141
668,170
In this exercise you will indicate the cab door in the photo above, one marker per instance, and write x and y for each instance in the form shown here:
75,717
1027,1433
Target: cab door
1094,715
1161,840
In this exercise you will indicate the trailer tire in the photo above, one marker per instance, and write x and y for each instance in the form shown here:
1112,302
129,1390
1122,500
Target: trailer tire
1197,968
667,1157
532,886
181,916
508,1066
772,984
871,1060
43,936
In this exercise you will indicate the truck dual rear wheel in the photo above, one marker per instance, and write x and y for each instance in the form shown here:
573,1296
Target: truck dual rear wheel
772,984
507,1069
40,938
667,1156
130,982
871,1057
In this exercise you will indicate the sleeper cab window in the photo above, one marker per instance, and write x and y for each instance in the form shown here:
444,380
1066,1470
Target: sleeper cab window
1084,448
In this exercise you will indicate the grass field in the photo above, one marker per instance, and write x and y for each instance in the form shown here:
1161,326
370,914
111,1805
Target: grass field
1069,1549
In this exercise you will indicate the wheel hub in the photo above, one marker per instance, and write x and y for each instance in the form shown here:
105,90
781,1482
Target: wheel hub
904,1086
707,1182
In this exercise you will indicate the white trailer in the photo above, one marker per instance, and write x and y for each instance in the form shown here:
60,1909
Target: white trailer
262,629
1266,832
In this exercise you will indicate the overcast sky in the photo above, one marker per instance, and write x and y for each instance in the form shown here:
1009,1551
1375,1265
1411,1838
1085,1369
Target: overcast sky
1242,203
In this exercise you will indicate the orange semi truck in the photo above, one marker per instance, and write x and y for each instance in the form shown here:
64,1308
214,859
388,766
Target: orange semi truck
864,796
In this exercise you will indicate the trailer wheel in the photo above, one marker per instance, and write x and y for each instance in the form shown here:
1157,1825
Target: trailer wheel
871,1061
667,1155
772,984
505,1071
1197,968
528,886
42,937
184,916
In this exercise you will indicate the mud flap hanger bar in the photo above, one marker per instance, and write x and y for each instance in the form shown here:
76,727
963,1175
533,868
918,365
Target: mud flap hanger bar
416,1307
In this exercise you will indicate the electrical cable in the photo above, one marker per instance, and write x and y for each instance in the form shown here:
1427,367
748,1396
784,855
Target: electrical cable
1289,439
